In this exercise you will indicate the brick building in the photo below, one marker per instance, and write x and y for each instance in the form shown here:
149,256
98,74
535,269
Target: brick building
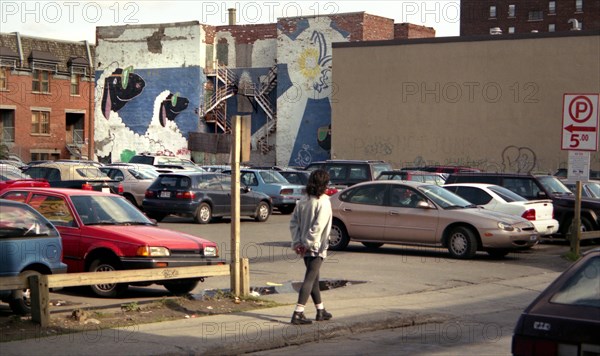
279,73
522,16
45,97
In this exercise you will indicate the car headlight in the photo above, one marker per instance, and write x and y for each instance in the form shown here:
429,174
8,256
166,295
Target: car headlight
506,227
153,251
210,251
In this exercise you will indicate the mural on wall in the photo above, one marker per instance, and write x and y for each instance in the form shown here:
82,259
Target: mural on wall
305,135
144,112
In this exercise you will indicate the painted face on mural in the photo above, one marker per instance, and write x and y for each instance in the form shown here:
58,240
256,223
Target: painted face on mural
119,88
171,107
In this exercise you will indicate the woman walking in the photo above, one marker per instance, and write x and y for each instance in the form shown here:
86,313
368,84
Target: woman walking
310,226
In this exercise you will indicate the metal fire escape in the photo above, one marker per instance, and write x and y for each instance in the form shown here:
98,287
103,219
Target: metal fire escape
260,139
214,110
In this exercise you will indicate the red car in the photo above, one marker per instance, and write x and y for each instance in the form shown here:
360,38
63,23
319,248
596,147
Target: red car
12,178
105,232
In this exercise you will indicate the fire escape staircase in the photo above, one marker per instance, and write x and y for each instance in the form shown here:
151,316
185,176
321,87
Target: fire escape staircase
260,139
214,110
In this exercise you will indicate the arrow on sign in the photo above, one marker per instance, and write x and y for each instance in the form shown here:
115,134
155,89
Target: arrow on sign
572,128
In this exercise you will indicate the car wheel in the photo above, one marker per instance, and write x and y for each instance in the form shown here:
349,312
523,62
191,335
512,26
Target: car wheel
462,243
338,238
372,245
286,210
263,211
203,214
181,286
156,216
20,301
586,225
109,290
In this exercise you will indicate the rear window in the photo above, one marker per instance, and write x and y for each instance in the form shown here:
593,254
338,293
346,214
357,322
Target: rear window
173,182
142,159
583,288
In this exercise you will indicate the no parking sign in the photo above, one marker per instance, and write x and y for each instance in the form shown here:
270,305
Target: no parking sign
580,122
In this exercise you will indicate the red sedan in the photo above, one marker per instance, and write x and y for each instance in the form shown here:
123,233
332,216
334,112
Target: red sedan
105,232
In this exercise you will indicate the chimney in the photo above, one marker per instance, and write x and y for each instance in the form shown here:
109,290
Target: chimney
231,16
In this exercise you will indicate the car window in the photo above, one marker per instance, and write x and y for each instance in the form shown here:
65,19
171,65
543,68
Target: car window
474,195
358,173
507,195
16,196
272,177
18,221
554,185
90,172
53,208
380,167
523,187
210,182
368,194
583,288
403,197
248,179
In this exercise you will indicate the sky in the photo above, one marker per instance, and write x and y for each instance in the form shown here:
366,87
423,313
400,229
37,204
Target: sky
77,20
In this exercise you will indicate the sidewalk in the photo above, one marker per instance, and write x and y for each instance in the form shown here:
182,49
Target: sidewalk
266,329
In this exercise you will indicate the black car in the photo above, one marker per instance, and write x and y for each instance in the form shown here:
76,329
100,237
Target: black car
565,318
201,195
295,176
345,173
535,187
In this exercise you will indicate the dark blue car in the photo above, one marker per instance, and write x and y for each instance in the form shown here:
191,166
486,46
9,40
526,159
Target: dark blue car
29,244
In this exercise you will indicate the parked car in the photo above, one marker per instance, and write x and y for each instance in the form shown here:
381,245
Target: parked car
563,173
203,196
417,176
535,187
283,194
405,212
299,177
496,198
345,173
589,189
134,178
74,175
166,162
29,244
565,318
105,232
16,178
443,169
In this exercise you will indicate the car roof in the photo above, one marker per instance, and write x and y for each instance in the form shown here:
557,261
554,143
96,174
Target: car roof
477,185
491,174
410,183
63,191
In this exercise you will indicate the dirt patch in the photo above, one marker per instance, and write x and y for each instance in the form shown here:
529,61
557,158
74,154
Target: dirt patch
15,327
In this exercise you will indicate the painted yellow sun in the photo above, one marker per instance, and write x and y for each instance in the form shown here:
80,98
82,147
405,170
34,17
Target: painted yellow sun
309,63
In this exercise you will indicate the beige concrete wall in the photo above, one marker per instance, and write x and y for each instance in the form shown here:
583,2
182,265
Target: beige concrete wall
494,104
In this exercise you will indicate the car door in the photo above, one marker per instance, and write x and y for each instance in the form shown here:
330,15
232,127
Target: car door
212,186
363,212
405,221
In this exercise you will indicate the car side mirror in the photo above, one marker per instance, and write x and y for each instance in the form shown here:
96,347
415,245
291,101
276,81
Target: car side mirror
245,189
542,195
422,204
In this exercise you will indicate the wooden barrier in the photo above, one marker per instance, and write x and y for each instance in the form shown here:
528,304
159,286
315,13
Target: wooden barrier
41,284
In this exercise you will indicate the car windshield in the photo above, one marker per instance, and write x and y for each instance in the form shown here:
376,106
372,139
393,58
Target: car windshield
11,175
107,210
144,173
553,185
583,288
18,221
91,172
273,177
507,195
444,198
594,189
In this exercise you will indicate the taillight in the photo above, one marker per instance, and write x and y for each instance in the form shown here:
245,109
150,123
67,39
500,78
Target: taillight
149,194
185,195
286,191
86,186
523,345
120,188
529,214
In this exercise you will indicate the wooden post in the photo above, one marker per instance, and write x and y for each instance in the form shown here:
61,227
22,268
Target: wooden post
576,235
40,297
235,206
245,276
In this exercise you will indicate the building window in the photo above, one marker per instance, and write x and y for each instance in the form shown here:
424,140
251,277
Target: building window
3,80
74,84
7,125
551,27
511,29
493,12
552,7
40,122
41,81
511,10
536,15
579,5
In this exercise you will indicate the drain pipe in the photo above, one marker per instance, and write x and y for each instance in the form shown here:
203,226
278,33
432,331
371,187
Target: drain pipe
19,48
90,102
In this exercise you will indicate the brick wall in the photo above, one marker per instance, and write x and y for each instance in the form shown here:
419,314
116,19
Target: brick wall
406,30
247,34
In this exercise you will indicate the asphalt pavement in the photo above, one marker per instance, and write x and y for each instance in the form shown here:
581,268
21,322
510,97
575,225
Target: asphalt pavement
451,309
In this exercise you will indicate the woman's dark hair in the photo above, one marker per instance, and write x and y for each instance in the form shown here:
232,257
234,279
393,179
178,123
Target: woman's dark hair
317,183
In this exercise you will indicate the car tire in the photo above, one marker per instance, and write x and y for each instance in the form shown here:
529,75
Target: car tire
338,238
286,210
156,216
109,290
462,243
586,225
203,214
263,211
20,301
181,286
372,245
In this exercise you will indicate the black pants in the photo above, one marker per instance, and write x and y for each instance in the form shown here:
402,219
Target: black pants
311,281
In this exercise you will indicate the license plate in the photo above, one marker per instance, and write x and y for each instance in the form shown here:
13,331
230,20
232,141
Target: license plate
165,194
532,237
105,190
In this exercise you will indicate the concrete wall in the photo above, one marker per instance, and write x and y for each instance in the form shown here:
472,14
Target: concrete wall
492,102
156,109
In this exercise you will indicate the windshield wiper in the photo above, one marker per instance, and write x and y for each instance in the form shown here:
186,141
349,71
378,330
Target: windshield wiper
132,223
454,207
